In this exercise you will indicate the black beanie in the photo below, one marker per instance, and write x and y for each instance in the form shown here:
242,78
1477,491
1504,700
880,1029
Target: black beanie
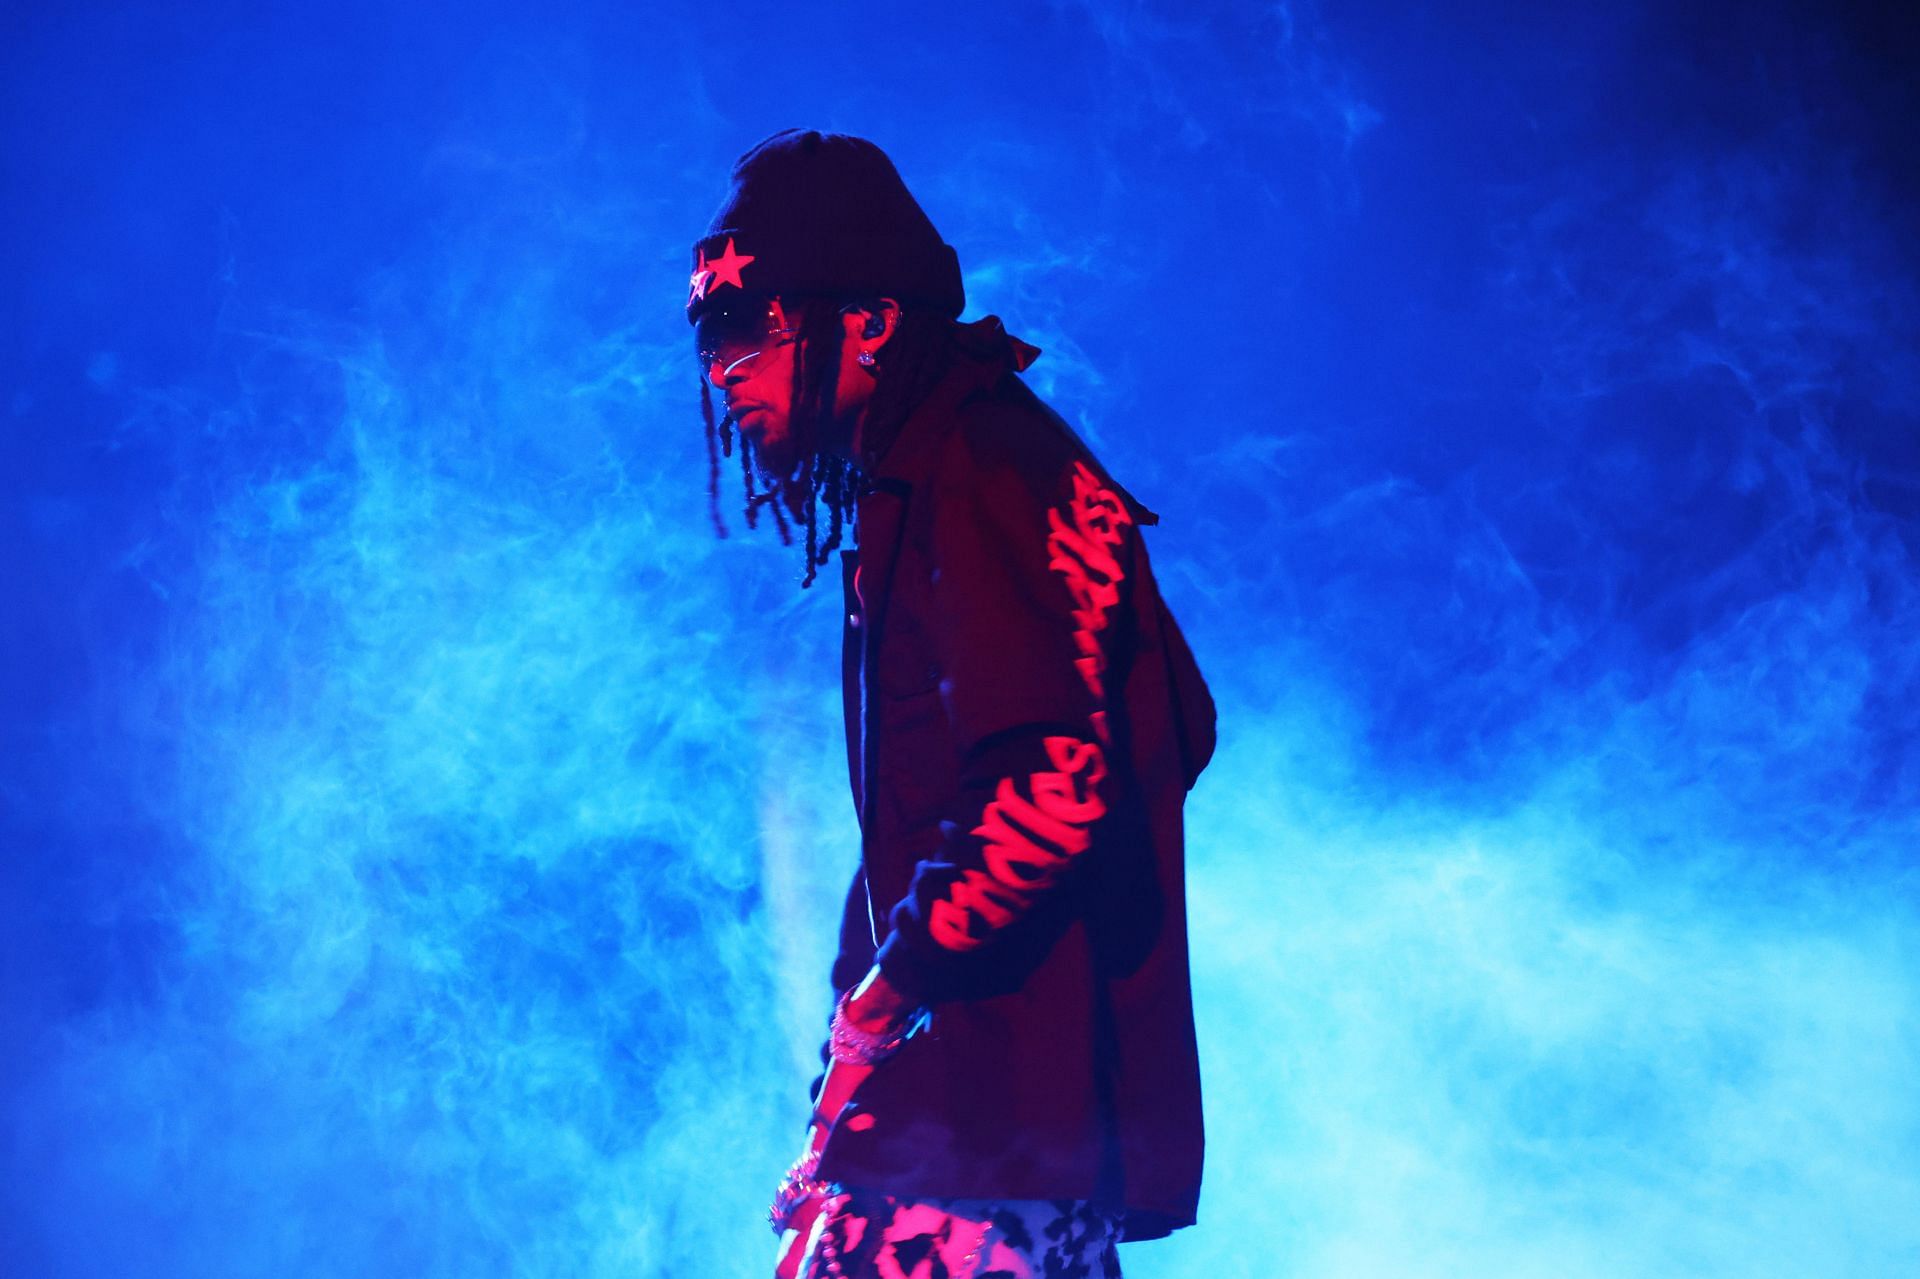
823,213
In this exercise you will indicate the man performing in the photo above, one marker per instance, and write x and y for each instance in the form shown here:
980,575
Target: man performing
1012,1086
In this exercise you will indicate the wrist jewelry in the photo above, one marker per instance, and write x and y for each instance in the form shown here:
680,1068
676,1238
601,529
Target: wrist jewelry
801,1183
849,1044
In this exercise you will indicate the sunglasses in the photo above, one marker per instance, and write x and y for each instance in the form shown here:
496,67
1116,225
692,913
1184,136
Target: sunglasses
730,336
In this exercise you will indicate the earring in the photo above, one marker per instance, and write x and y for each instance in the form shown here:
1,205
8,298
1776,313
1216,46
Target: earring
865,359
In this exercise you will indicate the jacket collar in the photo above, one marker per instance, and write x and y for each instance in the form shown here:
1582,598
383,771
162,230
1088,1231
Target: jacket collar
987,353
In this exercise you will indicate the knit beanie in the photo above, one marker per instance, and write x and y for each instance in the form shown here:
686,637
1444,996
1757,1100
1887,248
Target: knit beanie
827,214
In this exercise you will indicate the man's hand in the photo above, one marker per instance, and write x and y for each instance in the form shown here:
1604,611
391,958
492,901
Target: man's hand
876,1008
836,1092
793,1243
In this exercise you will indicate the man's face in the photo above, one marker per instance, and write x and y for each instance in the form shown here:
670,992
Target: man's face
748,350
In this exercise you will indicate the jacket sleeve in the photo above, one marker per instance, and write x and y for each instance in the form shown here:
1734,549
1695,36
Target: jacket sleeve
1031,566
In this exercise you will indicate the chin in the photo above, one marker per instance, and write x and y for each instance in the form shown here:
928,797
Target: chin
774,465
781,455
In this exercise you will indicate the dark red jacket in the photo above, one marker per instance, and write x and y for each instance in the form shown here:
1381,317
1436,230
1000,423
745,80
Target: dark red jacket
1024,720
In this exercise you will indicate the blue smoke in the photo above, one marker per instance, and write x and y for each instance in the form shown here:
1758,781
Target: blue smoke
423,837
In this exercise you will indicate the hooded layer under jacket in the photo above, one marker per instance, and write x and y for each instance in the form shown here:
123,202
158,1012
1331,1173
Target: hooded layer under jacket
1024,720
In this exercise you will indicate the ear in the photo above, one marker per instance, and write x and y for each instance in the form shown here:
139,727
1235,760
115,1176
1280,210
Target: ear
871,327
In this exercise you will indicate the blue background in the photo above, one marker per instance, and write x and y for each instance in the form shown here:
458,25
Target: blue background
420,836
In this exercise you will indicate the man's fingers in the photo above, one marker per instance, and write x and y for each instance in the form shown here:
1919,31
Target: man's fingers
790,1247
793,1242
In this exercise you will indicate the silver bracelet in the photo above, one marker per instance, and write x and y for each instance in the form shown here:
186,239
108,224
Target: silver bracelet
852,1046
801,1183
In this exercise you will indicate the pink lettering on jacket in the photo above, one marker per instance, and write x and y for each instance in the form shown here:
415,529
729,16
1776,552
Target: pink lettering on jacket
1029,841
1081,546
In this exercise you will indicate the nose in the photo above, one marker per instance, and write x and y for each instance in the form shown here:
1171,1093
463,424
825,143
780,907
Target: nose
724,375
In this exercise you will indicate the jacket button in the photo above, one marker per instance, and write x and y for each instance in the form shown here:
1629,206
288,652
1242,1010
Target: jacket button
853,620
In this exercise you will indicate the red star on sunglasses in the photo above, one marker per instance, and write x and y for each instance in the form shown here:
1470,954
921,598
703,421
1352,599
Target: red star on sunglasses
726,267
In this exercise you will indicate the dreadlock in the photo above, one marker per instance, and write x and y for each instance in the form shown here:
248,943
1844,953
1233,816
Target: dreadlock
824,484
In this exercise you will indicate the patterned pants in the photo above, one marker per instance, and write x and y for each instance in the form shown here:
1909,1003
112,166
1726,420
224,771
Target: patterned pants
863,1234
